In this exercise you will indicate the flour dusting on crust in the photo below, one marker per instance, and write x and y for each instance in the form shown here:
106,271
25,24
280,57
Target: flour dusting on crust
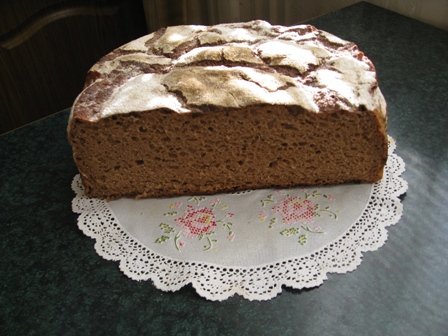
232,65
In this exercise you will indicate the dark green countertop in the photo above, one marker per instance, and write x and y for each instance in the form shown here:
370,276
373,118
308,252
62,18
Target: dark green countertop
53,283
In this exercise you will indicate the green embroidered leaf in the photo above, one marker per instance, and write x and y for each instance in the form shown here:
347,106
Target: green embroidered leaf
162,239
196,199
170,213
329,212
210,243
272,222
289,232
312,230
302,239
177,241
166,228
228,226
269,199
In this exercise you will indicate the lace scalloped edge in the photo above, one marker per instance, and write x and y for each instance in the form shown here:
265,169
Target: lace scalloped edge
264,282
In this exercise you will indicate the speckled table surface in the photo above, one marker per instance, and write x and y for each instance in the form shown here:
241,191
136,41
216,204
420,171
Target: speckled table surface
53,283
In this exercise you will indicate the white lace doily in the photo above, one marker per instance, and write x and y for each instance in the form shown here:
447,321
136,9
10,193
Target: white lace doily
250,243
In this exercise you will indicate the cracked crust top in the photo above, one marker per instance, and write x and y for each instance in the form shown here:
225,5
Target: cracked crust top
184,68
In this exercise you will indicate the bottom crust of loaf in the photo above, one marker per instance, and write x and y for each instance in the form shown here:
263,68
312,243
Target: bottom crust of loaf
161,153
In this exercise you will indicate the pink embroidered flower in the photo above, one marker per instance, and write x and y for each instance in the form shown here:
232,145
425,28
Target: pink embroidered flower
262,216
197,221
175,205
214,202
295,209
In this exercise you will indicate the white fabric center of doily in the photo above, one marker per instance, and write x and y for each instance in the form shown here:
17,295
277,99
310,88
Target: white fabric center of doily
248,229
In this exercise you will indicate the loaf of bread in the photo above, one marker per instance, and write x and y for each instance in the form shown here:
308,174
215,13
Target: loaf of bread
208,109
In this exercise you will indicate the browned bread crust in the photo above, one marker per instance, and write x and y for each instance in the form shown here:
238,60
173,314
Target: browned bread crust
210,110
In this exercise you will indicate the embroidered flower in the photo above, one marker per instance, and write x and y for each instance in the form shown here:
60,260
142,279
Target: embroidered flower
295,209
214,203
175,205
262,216
197,221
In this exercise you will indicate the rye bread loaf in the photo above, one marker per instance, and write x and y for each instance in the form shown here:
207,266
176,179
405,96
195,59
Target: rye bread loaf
207,109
